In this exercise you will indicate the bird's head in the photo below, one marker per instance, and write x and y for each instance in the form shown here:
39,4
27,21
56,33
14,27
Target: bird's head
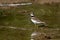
32,14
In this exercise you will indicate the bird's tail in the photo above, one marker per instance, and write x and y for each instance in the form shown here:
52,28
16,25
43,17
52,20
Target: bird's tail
42,24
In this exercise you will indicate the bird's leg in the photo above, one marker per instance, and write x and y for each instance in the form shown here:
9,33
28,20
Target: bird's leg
36,27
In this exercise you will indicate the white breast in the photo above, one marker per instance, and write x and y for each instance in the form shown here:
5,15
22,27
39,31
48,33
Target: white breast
34,21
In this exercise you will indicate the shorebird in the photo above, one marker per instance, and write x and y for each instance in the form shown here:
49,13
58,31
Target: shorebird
37,21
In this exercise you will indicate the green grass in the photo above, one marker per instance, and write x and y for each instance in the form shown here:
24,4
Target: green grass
17,18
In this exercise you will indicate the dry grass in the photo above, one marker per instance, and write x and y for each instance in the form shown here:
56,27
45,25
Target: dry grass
34,1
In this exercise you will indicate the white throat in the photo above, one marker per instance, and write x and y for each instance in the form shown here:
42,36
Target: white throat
31,14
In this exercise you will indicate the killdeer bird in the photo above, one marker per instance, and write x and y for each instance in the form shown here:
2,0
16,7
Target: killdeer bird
37,21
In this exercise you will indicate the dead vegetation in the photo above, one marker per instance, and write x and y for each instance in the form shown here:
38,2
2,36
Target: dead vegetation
33,1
